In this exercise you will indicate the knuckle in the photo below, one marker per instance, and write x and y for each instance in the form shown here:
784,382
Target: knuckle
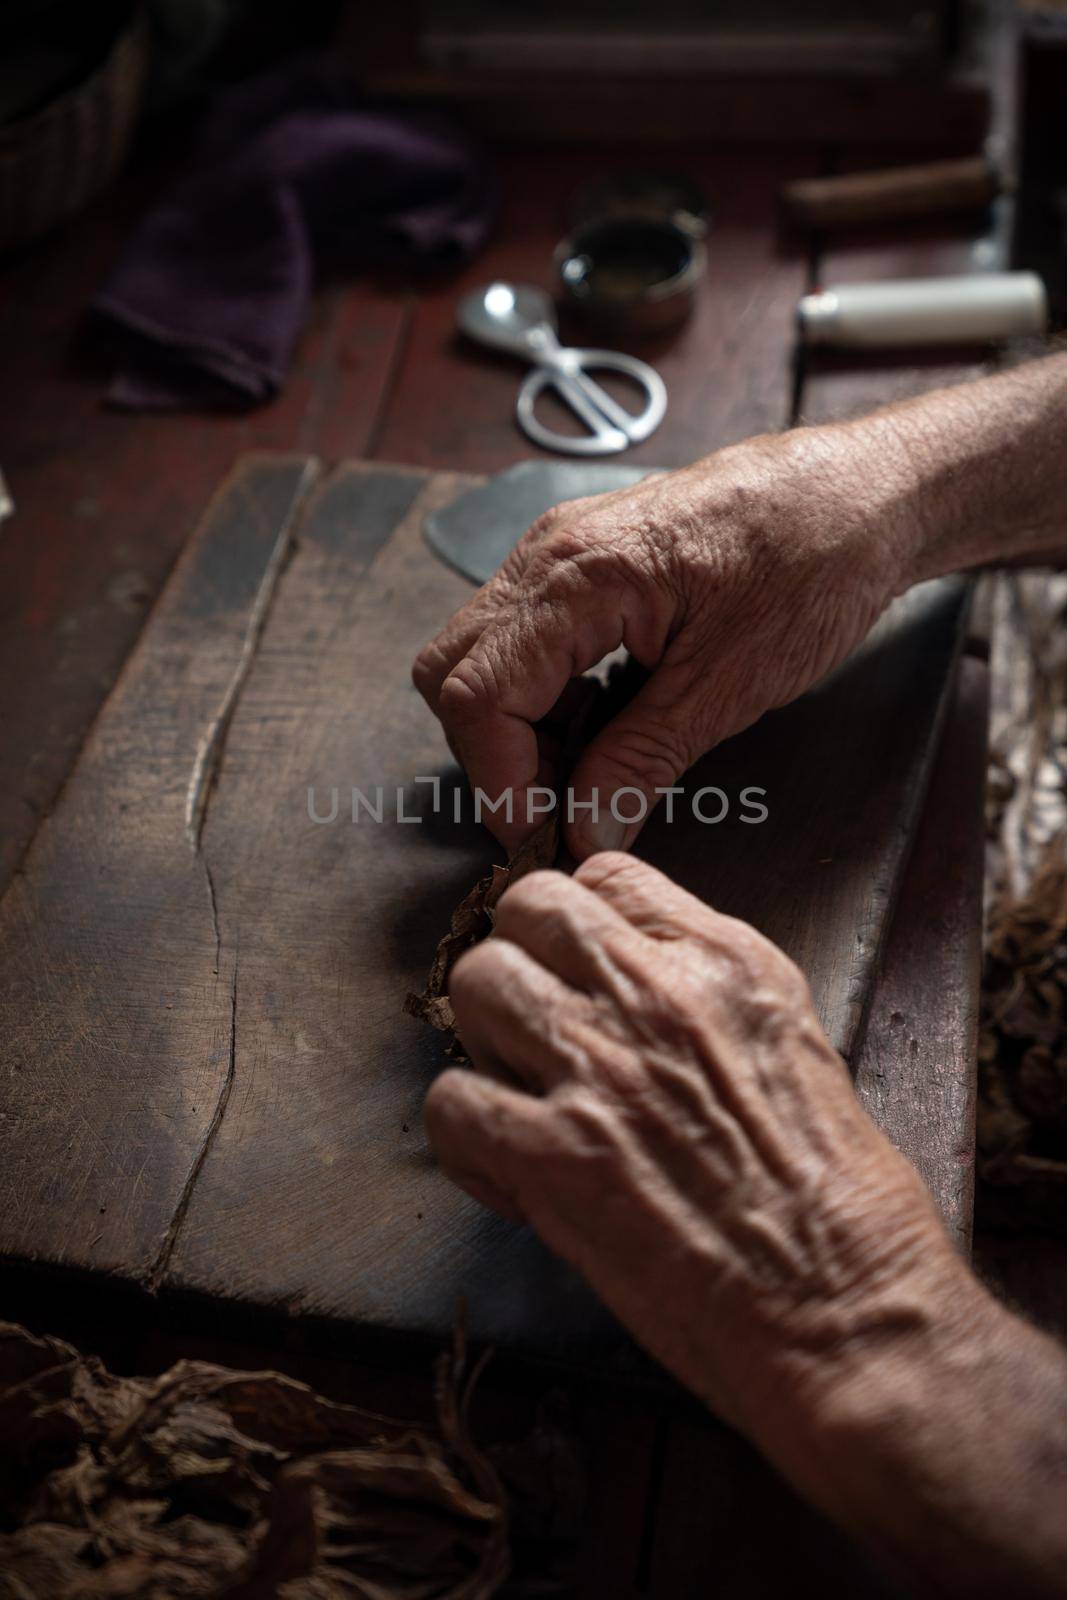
769,966
791,982
587,1129
573,544
477,970
583,557
442,1106
541,527
534,895
567,541
614,866
467,688
764,986
426,669
648,756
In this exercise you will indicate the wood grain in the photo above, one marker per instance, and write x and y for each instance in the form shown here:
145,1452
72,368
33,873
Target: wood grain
844,770
916,1071
117,998
212,1089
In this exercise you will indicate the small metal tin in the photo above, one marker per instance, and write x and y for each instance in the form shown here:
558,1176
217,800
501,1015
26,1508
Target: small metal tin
635,255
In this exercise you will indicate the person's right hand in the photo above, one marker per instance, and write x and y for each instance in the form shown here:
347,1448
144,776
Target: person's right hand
652,1092
739,582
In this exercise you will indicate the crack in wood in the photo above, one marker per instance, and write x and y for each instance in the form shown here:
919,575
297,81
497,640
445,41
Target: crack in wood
213,901
201,784
158,1270
210,750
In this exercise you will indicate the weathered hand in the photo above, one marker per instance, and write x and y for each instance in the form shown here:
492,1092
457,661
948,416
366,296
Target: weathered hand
654,1093
739,581
655,1096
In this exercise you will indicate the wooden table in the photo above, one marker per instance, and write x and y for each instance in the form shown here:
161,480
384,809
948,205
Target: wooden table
105,503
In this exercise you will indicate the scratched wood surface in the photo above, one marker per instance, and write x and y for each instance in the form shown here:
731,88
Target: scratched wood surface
116,994
916,1070
208,1086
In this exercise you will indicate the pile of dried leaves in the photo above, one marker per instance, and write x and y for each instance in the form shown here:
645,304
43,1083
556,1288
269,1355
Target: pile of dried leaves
1022,1078
207,1482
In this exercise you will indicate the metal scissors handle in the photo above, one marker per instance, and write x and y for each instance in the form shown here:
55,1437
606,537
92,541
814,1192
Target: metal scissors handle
611,427
522,321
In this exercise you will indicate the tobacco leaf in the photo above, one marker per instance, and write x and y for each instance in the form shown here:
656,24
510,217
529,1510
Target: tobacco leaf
212,1484
473,921
1022,1053
585,707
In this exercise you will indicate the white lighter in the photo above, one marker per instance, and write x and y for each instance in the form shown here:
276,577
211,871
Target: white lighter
906,311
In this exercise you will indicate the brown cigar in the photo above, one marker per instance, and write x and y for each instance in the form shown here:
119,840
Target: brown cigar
922,191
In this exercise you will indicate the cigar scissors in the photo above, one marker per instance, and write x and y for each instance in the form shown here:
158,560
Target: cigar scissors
521,320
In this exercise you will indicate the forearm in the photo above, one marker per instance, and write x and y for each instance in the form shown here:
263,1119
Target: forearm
981,469
948,1456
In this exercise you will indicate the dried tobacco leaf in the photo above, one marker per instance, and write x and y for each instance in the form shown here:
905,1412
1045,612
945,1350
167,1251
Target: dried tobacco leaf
210,1484
1022,1053
473,921
584,707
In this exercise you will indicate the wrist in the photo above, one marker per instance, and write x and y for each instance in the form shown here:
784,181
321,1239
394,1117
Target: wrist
886,1421
890,1339
889,477
979,467
866,499
948,1456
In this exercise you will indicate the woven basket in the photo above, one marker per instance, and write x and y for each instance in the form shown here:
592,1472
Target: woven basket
53,162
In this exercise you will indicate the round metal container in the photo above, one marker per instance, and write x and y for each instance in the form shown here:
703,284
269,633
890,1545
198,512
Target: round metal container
635,254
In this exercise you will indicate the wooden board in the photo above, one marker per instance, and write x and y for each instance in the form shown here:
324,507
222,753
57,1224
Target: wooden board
208,1084
916,1070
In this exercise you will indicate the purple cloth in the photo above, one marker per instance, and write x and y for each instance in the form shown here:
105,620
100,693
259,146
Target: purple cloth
289,177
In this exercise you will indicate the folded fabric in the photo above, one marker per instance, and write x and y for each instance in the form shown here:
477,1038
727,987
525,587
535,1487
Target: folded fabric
289,178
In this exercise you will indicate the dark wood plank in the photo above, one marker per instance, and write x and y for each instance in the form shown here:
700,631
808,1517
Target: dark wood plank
820,876
918,1061
117,993
318,1194
726,369
226,996
915,1073
105,501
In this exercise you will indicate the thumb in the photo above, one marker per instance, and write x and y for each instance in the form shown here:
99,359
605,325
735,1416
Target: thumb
644,749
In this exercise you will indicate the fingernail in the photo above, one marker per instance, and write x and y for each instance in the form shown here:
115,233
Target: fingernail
607,833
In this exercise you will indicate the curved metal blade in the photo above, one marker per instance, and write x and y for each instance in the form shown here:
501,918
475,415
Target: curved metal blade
479,530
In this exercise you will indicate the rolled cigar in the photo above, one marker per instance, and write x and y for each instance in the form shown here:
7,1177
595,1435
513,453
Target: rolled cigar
921,191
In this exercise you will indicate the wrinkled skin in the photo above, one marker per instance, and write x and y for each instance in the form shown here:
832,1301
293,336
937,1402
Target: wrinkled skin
656,1097
652,1090
738,583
